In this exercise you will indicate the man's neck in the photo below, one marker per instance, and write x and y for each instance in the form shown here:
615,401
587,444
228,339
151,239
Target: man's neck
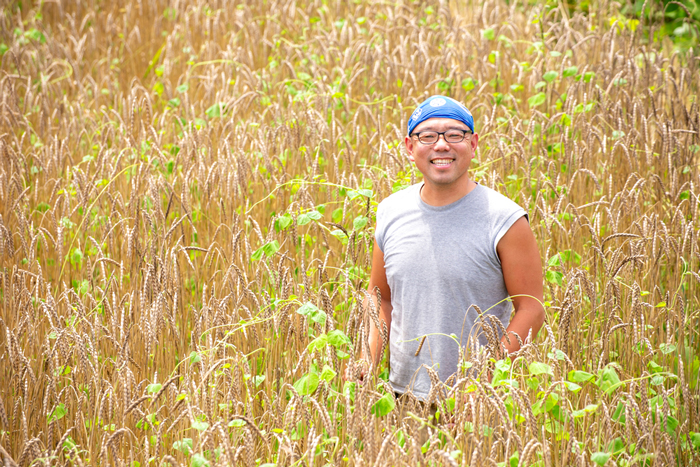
437,195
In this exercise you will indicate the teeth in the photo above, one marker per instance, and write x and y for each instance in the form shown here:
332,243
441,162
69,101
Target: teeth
441,161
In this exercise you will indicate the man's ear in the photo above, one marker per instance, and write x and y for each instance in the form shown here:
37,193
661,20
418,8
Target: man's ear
474,141
408,142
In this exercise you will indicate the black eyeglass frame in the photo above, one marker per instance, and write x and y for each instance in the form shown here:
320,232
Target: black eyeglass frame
464,135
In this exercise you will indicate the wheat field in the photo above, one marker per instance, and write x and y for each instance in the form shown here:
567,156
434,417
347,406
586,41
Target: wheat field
187,203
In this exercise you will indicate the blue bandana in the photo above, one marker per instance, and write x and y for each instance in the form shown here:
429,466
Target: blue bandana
440,107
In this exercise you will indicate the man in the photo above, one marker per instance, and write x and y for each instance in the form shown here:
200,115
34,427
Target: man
444,245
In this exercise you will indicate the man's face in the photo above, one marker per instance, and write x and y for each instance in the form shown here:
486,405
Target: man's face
442,164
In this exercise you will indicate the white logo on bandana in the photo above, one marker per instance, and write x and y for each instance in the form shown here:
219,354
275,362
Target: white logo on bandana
416,114
438,102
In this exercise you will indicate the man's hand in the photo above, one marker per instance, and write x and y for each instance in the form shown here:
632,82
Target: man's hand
358,370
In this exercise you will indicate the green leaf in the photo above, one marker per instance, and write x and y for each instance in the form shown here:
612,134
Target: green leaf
311,311
214,111
588,76
319,343
58,413
359,222
195,357
488,34
384,405
600,458
303,219
199,460
469,83
154,388
258,380
573,387
667,348
337,338
537,99
555,277
539,368
76,257
327,374
184,446
550,76
236,422
578,376
174,102
695,439
608,380
269,249
571,71
183,88
352,194
283,222
42,207
307,384
199,425
3,48
337,215
36,35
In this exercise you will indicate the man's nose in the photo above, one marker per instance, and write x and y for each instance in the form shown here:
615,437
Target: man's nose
442,143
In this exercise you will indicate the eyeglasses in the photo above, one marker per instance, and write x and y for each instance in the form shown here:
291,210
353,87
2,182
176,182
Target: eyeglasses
451,136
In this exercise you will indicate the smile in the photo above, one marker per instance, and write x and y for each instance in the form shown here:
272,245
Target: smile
442,162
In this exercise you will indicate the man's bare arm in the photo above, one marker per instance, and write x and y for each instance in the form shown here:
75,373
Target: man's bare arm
522,272
378,280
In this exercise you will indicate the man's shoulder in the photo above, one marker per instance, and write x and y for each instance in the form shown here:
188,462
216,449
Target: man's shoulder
494,198
401,197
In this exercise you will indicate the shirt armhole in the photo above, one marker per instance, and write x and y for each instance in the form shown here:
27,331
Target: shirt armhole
510,220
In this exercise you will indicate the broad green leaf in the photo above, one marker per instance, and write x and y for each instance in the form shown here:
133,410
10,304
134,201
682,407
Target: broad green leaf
199,425
539,368
314,215
608,380
214,111
600,458
58,413
195,357
337,338
303,219
555,277
154,388
327,374
537,99
352,194
695,439
258,380
488,34
183,88
578,376
236,422
337,215
570,71
283,222
312,312
573,387
384,405
550,76
359,222
184,445
307,384
319,343
199,460
469,83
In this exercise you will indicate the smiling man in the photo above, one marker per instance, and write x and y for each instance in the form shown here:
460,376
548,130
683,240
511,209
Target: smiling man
444,245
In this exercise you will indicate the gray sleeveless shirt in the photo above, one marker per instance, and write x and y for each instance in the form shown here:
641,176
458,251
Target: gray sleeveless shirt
439,260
